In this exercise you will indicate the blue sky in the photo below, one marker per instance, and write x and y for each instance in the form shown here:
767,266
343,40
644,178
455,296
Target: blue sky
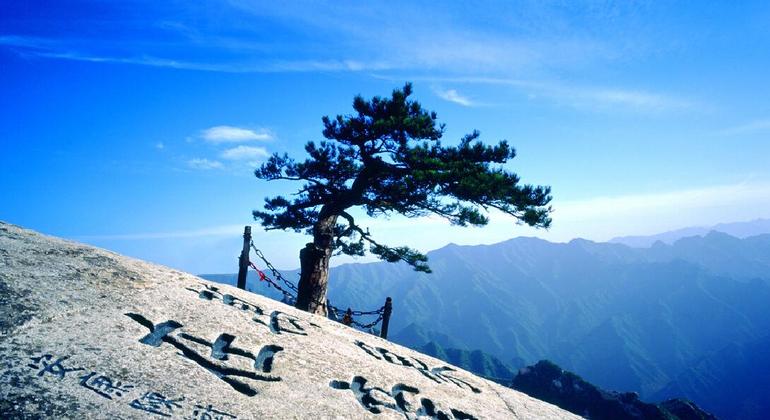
136,125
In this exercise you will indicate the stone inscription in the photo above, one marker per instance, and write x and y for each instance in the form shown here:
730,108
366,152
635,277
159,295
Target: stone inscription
209,413
46,364
437,374
157,403
104,386
219,350
277,322
375,399
116,389
214,353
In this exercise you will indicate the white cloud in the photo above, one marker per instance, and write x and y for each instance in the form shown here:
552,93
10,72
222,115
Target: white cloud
245,153
750,127
451,95
160,146
229,134
204,164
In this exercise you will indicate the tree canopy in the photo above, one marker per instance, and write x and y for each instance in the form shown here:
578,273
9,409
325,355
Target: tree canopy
385,158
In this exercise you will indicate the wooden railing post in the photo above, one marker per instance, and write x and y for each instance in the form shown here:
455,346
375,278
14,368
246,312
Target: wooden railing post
347,319
386,317
243,261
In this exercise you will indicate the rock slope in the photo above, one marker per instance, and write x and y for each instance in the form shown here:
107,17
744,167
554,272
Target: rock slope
87,333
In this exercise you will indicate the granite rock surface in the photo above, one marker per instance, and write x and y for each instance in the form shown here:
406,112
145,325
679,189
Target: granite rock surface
87,333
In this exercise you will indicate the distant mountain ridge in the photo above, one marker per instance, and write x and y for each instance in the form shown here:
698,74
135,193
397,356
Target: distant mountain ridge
736,229
476,361
549,382
625,318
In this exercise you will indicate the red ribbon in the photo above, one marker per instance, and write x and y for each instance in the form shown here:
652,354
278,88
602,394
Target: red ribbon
262,276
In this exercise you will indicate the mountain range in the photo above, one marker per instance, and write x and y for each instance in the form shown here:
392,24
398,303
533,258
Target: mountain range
476,361
663,321
737,229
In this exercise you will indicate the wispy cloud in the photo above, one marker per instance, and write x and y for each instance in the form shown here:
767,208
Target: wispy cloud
599,97
229,134
630,98
452,95
577,96
451,40
223,230
249,153
750,127
160,146
204,164
76,51
34,43
546,41
593,97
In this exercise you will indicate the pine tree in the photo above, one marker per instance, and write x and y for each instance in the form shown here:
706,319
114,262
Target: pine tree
388,158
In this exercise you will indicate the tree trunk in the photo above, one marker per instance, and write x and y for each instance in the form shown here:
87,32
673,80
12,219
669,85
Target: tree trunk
314,263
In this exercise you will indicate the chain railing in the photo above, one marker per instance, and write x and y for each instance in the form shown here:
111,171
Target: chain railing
290,291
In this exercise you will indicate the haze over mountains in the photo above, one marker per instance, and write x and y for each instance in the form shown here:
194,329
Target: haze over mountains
737,229
670,320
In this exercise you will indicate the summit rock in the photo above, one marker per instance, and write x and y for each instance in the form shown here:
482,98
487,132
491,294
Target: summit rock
88,333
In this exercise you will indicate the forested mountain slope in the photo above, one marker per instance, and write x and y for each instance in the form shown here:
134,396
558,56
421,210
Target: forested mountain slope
624,318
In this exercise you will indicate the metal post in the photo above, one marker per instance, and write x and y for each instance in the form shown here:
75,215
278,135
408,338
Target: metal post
243,261
386,317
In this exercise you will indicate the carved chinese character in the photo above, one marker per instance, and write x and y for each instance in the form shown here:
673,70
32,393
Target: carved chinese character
437,374
283,322
209,413
428,409
278,323
212,293
104,386
44,365
220,350
440,372
365,396
156,403
375,399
